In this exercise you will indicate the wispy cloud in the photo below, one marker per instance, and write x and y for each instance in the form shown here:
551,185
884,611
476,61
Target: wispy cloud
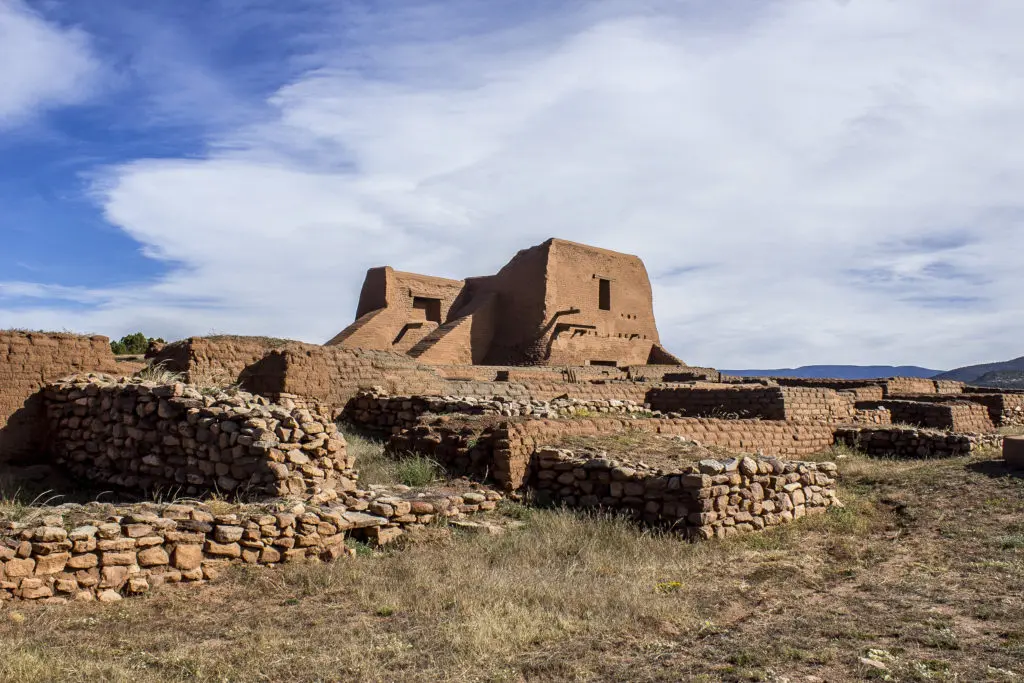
44,65
818,151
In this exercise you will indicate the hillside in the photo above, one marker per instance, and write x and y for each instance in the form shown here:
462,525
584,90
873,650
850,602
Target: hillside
839,371
973,373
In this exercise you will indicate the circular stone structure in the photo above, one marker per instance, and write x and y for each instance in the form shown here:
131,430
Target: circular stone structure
1013,452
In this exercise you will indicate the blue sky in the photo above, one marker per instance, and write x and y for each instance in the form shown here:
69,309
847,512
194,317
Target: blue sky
807,181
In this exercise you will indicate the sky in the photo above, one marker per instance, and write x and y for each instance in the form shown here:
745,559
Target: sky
807,181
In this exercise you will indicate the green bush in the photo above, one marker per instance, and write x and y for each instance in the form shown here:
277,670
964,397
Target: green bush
132,344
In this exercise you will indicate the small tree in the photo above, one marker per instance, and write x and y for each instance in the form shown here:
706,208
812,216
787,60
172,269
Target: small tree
130,344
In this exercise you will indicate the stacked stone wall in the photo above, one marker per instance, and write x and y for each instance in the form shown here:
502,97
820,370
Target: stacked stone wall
142,436
900,442
959,416
712,498
106,552
28,360
381,413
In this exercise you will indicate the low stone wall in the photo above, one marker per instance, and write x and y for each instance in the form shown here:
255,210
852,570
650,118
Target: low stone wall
143,436
28,360
914,443
957,416
381,413
712,498
105,552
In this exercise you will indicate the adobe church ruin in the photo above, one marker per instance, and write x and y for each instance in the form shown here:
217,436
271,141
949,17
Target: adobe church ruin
558,303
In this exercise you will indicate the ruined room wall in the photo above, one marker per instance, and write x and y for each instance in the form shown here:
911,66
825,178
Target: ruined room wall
960,416
903,442
219,358
334,374
103,552
145,437
753,401
713,498
28,360
1003,409
518,441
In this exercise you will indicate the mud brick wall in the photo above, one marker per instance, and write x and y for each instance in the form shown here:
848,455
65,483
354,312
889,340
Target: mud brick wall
28,360
960,416
143,436
946,386
768,403
712,498
895,386
104,552
215,358
1003,409
334,375
914,443
672,373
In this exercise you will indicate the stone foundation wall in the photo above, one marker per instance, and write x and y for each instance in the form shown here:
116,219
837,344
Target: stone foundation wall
105,552
712,498
142,436
959,416
382,414
28,360
914,443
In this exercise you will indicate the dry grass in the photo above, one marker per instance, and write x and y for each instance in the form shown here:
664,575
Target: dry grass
925,564
653,449
376,467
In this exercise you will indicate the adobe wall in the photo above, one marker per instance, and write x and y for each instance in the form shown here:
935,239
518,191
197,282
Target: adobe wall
105,552
902,442
386,317
752,401
713,498
520,288
145,437
28,360
671,373
1003,409
220,358
891,386
961,416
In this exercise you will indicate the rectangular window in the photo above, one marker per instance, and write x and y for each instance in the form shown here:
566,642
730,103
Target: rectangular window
604,295
431,308
606,363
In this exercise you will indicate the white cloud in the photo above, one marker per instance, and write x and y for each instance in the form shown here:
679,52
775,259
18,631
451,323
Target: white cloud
840,178
44,65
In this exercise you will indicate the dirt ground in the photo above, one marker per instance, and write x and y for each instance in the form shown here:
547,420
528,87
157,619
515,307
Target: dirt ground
919,578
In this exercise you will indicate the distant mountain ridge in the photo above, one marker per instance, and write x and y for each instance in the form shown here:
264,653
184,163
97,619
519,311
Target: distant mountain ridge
1006,375
971,373
840,372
